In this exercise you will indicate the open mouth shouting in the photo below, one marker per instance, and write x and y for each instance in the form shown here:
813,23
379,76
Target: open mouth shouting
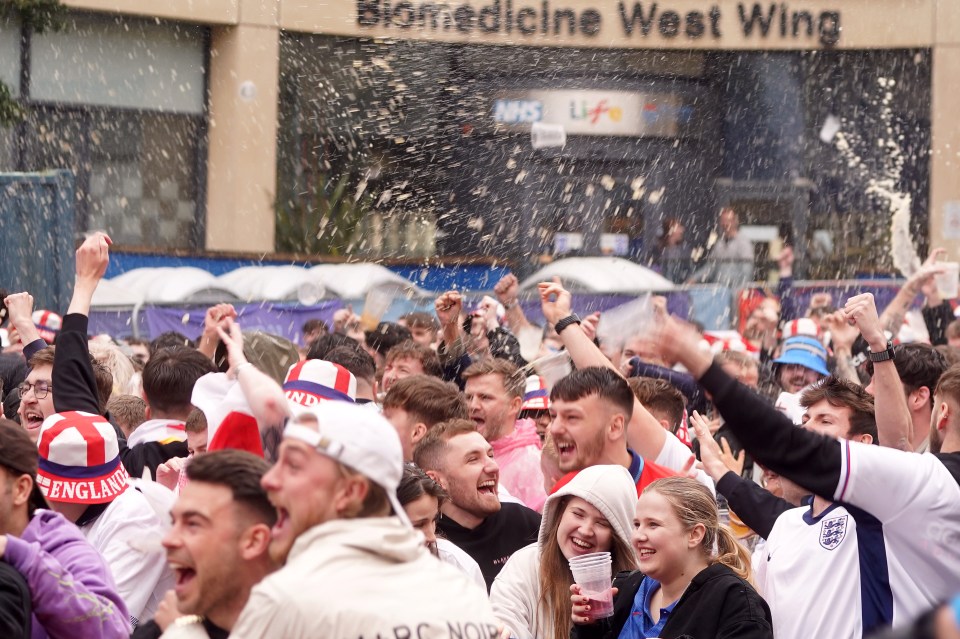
184,576
31,419
487,488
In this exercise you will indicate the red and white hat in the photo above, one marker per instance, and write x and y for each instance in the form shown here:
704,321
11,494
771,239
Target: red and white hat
536,396
48,325
79,459
801,326
314,381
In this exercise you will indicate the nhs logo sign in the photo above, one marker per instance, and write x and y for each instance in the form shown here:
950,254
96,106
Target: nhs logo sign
517,111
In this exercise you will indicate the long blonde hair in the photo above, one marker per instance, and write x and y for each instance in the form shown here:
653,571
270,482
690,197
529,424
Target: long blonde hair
556,578
693,504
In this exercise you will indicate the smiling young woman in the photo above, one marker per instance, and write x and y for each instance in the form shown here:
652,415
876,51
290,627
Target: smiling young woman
589,514
694,576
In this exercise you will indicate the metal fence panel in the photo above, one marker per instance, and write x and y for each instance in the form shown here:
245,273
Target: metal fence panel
37,226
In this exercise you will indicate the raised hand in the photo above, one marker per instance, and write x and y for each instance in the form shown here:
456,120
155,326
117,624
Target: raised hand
232,337
555,301
449,306
93,257
507,289
711,457
861,310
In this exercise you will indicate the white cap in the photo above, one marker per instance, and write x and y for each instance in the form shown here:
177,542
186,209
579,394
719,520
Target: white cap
362,440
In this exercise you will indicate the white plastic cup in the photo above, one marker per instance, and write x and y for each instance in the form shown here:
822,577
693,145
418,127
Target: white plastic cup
948,282
595,578
375,307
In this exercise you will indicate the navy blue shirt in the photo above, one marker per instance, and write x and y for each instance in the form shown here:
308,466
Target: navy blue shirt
640,623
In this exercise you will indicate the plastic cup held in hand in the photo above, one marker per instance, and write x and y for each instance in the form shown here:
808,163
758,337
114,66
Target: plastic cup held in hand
948,282
595,578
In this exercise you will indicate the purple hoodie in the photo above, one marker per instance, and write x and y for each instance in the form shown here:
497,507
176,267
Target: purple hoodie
71,586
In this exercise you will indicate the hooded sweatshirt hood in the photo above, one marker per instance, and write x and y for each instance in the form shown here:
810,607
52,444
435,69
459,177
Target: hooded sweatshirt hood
609,489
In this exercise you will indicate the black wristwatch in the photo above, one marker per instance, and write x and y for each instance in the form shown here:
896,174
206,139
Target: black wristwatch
883,356
565,322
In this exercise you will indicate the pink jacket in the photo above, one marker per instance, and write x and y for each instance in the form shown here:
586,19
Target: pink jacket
518,456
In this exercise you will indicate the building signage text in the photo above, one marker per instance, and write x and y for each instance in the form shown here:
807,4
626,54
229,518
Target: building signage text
635,19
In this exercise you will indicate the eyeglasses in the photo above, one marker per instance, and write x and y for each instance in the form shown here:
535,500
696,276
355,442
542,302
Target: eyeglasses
40,389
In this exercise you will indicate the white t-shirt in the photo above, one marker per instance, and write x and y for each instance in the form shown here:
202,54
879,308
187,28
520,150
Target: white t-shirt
917,501
809,572
128,534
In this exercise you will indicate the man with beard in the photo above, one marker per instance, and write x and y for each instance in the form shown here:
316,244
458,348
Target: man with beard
354,566
458,458
802,362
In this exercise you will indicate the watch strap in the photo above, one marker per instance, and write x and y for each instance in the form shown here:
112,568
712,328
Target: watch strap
572,318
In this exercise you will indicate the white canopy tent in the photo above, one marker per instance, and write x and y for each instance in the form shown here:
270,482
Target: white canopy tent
109,294
354,281
275,283
601,275
171,285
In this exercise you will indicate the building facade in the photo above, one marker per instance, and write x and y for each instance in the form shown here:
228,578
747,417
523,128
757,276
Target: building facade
404,127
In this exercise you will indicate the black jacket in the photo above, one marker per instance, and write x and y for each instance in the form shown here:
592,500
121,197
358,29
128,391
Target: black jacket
499,536
76,389
716,605
15,604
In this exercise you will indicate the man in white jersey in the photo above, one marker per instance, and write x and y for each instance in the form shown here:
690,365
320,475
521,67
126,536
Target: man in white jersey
820,551
915,498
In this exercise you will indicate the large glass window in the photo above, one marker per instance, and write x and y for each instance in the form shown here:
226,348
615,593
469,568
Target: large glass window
121,103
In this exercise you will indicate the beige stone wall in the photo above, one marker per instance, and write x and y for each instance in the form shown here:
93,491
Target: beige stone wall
242,159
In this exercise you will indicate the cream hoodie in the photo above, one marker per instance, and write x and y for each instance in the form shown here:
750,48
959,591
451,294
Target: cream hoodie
363,579
516,590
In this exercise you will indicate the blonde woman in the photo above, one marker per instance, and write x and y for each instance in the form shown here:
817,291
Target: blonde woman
694,577
590,513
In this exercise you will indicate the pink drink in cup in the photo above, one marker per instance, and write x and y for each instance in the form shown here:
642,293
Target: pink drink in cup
593,575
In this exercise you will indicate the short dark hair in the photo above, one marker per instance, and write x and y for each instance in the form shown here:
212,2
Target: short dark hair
239,471
427,399
918,365
419,319
843,394
410,349
43,357
428,454
314,324
385,336
354,359
169,376
415,484
168,339
603,382
659,395
514,379
326,343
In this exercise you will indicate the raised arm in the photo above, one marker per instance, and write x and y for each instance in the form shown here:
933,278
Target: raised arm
265,397
644,433
892,317
894,423
212,320
507,291
810,460
75,386
843,335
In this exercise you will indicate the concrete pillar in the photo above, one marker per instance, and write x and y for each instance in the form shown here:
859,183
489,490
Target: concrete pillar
242,161
945,132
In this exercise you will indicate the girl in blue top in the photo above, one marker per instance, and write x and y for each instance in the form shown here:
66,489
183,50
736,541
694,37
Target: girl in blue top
693,577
